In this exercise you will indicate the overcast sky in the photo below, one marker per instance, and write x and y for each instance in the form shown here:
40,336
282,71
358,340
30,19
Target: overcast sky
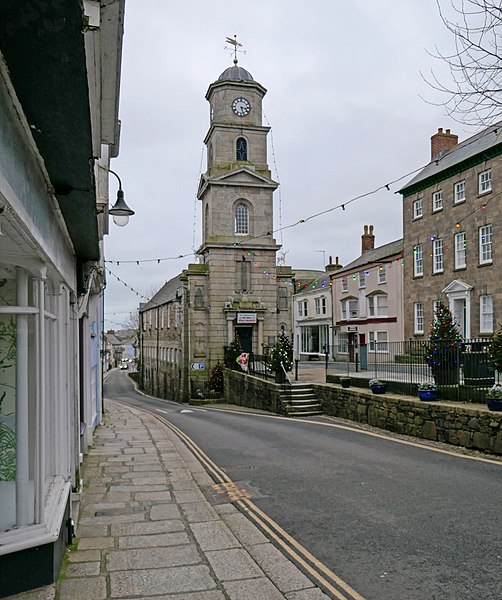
343,101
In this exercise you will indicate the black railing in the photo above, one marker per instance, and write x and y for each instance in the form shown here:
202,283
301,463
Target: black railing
257,364
460,369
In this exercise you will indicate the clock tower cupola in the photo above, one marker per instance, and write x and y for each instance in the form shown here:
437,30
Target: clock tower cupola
247,294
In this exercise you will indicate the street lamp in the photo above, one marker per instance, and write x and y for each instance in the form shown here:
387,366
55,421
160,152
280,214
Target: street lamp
120,211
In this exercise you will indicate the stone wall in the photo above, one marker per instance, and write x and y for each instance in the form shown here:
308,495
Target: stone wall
459,425
252,392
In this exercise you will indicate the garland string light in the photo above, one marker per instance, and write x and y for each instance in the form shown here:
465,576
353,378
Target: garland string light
341,206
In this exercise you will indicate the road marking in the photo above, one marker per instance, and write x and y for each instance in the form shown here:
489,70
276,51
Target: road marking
381,436
162,411
185,410
279,535
232,491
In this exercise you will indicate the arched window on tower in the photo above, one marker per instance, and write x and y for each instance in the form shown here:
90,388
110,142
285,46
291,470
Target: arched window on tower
241,219
241,149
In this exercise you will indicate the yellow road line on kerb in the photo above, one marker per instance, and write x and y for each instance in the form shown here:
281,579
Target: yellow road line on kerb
321,566
279,535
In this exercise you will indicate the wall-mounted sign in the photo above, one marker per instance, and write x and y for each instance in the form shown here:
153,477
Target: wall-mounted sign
198,366
246,317
352,328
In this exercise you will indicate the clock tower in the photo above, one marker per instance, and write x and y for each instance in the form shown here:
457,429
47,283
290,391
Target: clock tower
246,296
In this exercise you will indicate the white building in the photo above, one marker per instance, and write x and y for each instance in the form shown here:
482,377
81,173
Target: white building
368,300
313,313
59,80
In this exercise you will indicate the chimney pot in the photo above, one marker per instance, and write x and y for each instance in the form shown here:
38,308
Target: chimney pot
367,239
442,141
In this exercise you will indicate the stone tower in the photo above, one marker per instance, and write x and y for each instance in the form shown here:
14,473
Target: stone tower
240,291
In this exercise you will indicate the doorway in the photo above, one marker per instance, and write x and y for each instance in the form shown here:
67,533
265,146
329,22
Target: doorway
460,315
245,337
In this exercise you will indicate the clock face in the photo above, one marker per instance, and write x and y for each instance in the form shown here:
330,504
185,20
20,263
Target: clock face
241,107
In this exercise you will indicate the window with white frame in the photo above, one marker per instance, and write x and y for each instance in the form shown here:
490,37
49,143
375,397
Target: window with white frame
343,343
485,181
418,314
378,341
241,219
323,305
162,311
303,310
485,314
362,279
485,244
460,255
350,309
437,200
345,284
437,256
418,260
382,274
317,303
418,208
377,305
459,192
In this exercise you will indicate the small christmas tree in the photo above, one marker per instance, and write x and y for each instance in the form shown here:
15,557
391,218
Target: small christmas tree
216,379
495,351
282,352
444,345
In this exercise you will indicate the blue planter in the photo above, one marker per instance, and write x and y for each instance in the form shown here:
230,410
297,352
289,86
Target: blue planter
494,403
379,389
428,395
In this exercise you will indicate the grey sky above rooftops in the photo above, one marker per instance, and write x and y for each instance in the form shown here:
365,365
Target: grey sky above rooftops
343,102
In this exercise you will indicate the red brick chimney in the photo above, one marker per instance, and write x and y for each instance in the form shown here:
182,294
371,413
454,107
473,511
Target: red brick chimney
441,141
367,239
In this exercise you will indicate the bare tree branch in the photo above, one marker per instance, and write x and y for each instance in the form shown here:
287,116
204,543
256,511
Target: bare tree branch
473,96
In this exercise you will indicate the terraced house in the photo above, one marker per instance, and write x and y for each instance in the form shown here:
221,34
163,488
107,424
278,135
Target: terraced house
452,218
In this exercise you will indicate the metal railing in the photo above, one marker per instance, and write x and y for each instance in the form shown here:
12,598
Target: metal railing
460,369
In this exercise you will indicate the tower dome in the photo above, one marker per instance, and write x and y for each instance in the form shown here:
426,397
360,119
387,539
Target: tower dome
235,73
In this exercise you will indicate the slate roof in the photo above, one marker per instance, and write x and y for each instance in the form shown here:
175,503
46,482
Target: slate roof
487,141
374,256
166,293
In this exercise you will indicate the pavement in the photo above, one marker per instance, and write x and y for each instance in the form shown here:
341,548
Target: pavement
146,529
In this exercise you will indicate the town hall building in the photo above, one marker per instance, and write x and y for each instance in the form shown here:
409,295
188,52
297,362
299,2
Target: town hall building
235,291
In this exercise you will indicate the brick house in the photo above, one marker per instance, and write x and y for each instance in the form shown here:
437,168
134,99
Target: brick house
368,299
451,219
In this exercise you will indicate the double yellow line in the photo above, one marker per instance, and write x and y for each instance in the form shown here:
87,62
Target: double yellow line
318,572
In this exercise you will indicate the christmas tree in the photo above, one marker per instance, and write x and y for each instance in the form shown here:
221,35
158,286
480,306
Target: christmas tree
216,379
282,352
495,351
444,344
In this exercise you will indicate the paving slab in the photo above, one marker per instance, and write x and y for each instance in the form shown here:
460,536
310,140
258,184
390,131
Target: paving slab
146,530
156,581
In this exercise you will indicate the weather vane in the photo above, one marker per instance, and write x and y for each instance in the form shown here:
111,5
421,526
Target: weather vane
236,45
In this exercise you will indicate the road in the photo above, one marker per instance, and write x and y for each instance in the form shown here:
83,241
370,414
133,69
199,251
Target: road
396,521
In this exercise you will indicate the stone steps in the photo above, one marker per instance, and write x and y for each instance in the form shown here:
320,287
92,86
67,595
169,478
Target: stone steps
303,401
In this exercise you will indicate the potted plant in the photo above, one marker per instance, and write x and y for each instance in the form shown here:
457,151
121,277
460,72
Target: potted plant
444,347
377,386
494,397
344,381
427,391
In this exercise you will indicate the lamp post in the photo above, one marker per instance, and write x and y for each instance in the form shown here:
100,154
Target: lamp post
120,211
